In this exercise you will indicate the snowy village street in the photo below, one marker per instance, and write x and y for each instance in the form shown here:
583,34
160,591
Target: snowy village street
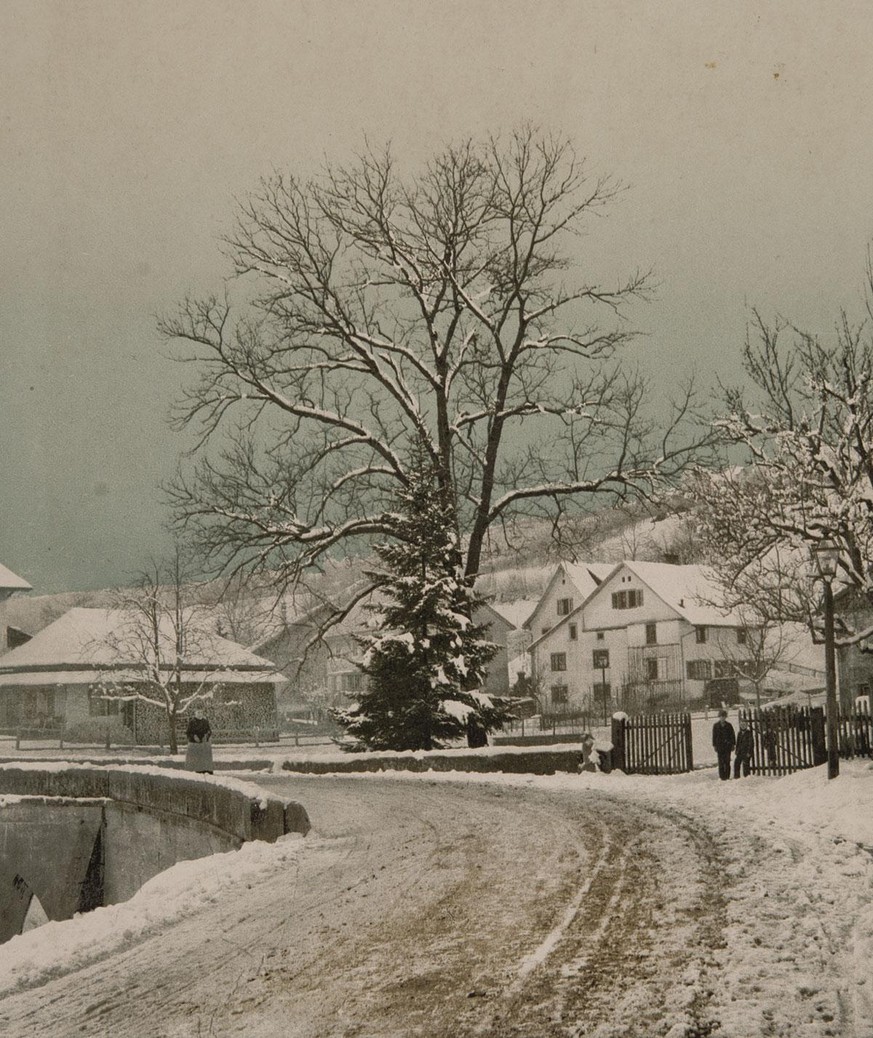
457,906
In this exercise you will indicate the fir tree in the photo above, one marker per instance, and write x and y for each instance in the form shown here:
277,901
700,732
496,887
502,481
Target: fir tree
426,663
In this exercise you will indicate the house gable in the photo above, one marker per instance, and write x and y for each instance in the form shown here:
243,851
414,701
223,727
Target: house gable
569,586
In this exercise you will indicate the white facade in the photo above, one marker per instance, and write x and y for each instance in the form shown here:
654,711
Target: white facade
644,637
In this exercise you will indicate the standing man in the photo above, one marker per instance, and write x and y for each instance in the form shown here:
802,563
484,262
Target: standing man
745,742
723,741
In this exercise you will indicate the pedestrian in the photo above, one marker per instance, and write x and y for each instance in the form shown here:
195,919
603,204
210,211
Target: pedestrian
723,741
198,755
745,742
589,760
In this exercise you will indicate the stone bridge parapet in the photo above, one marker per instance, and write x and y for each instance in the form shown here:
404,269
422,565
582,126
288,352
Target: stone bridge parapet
77,837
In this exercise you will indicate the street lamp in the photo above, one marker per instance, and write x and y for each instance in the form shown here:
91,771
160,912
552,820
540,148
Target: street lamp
827,556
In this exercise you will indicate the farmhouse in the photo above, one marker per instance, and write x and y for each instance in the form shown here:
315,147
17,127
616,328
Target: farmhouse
87,667
649,636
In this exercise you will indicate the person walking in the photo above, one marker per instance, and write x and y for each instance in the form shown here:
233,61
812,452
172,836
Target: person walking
743,756
723,741
198,755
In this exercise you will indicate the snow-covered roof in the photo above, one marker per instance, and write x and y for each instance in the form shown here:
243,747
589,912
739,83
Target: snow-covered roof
10,582
517,611
690,591
585,577
364,615
85,643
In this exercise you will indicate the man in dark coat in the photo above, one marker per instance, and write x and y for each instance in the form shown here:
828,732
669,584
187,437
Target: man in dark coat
723,741
743,758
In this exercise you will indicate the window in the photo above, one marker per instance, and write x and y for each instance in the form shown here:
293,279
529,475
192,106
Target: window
600,636
565,606
353,681
742,636
698,670
600,659
559,661
724,669
560,694
627,599
652,669
573,631
100,707
700,635
651,634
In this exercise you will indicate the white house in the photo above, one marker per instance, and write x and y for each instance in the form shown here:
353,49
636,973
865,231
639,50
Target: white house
649,635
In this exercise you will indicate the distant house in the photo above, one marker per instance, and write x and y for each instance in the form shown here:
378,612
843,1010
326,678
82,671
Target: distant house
344,651
324,667
854,662
58,678
10,584
648,636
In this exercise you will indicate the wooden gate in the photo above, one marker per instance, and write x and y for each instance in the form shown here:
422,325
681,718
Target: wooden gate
786,739
652,744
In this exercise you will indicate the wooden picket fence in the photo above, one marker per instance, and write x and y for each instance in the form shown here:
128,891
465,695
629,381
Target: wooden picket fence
652,744
855,732
786,739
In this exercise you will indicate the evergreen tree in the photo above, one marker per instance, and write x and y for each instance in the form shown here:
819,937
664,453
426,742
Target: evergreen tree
427,661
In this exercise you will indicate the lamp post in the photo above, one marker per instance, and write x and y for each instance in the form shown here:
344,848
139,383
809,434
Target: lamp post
603,691
826,558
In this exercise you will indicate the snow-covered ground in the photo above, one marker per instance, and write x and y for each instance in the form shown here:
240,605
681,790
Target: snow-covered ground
797,892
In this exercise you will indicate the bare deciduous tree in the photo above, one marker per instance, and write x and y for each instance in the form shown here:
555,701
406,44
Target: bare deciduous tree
160,647
802,433
388,310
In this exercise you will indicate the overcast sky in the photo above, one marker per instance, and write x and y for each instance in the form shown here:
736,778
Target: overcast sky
744,130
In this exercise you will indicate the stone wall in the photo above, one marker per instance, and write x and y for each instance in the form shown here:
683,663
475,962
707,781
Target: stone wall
536,762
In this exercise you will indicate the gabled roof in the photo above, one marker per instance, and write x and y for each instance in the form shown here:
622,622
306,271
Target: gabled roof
585,577
10,582
84,644
690,591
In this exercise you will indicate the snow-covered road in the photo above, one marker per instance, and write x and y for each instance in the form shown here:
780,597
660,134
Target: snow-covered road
516,907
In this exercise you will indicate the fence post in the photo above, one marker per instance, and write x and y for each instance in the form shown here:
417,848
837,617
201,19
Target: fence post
689,750
18,739
618,745
816,723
